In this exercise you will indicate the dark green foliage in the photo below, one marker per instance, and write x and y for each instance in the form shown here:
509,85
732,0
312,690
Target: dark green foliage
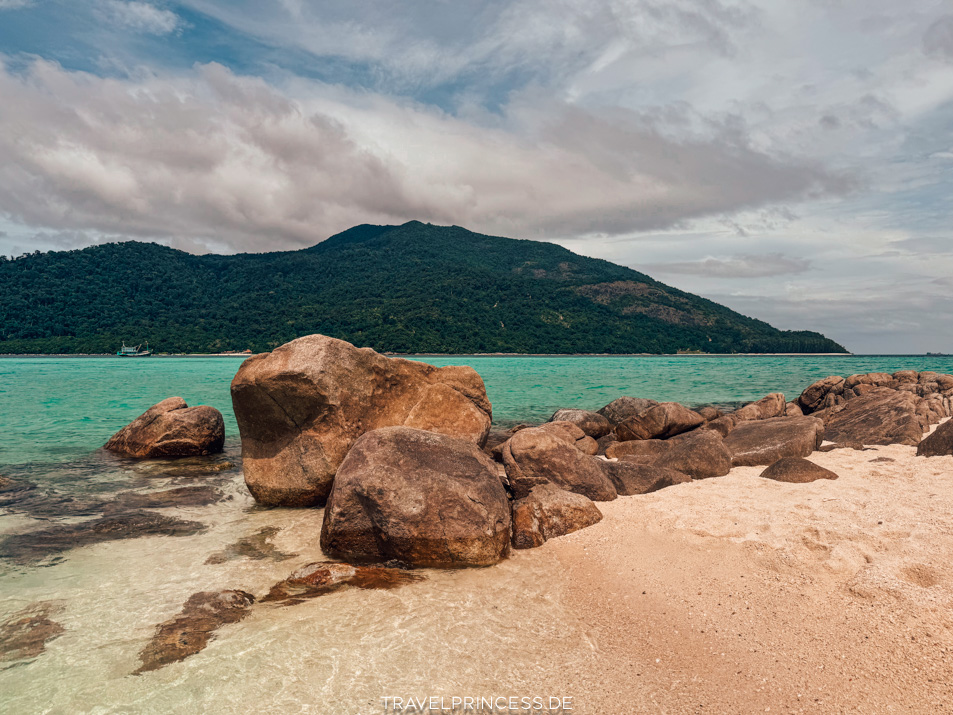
410,288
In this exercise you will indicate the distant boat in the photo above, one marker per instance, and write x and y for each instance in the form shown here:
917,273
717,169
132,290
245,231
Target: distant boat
936,354
134,352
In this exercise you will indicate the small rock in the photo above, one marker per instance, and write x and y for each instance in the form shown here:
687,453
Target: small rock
796,470
938,444
625,407
548,512
592,423
171,429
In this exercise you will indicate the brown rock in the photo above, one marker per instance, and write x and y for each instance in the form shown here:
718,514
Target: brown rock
190,631
882,416
320,578
938,444
603,443
640,449
171,429
700,455
538,456
906,376
709,413
177,497
796,470
793,409
302,406
660,422
626,407
767,441
592,423
421,498
25,633
772,405
632,478
723,425
547,512
812,398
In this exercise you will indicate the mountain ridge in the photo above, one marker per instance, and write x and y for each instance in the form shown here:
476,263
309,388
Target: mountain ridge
413,288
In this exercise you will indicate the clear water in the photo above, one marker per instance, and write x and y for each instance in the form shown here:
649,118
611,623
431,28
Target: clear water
455,633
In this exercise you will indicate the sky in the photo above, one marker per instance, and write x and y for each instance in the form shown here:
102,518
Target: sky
791,159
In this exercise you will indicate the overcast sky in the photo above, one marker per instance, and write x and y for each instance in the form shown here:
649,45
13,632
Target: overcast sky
792,159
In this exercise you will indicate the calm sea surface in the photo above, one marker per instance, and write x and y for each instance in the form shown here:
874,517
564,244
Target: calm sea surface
455,633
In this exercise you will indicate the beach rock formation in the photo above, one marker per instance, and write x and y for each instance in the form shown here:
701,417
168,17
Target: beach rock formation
547,512
938,444
171,429
659,422
24,634
700,455
592,423
191,630
796,470
325,577
642,450
881,416
766,441
772,405
631,478
34,545
548,454
177,497
814,396
625,407
709,413
301,407
418,497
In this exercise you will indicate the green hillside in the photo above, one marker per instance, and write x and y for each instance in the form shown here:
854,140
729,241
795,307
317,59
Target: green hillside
410,288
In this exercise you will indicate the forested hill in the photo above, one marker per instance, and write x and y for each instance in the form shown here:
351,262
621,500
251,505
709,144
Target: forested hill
410,288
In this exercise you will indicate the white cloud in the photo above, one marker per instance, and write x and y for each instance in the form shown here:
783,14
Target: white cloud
141,16
14,4
746,266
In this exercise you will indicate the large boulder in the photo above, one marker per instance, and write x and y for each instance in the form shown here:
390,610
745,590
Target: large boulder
592,423
641,450
881,416
631,478
938,444
171,429
301,407
700,455
542,455
418,497
625,407
660,422
767,441
796,470
547,512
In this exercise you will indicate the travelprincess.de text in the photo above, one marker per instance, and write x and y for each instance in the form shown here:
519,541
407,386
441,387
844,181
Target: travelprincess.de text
548,704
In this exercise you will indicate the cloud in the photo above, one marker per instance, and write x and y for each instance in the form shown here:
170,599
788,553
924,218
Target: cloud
216,157
141,16
938,40
772,264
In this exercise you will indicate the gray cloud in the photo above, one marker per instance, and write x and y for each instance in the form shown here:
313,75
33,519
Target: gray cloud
221,159
749,266
938,40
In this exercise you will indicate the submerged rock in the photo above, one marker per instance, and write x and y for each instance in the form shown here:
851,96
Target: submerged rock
766,441
185,468
660,422
543,455
35,545
256,547
938,444
25,634
324,577
796,470
178,497
592,423
301,408
191,630
418,497
548,512
171,429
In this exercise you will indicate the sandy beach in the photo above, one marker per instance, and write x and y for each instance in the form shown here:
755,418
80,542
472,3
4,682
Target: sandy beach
740,595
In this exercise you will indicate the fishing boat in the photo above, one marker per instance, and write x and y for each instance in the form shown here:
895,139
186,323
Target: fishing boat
134,352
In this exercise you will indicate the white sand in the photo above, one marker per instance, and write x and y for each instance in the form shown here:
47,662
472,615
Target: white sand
740,594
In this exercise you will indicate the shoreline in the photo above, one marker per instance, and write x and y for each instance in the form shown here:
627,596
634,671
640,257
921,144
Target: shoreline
507,355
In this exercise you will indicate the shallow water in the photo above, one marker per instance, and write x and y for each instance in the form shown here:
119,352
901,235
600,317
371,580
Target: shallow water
456,633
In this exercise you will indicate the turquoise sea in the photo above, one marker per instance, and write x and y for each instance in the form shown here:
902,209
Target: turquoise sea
77,563
60,409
